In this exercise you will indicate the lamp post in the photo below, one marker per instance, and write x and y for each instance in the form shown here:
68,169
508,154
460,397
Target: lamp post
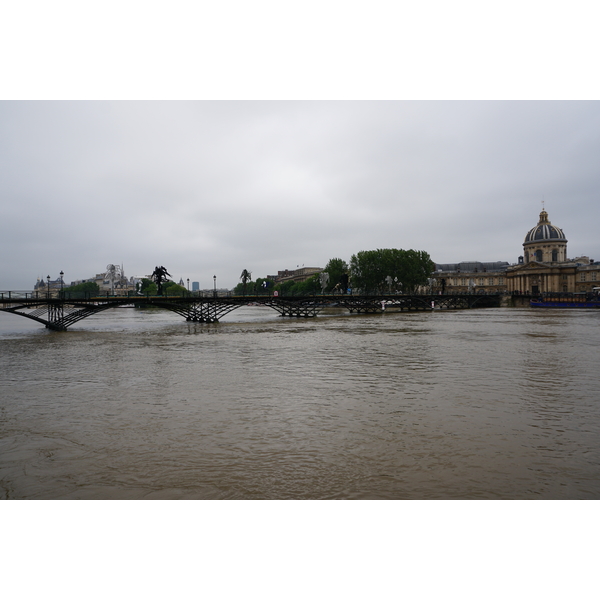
188,282
48,286
61,284
215,282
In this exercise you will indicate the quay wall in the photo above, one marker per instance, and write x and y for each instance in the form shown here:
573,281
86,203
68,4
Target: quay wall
514,301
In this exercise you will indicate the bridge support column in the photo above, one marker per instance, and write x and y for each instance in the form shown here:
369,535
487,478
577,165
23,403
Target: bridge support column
56,314
202,313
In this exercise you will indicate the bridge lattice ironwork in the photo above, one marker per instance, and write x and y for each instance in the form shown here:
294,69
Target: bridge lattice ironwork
62,312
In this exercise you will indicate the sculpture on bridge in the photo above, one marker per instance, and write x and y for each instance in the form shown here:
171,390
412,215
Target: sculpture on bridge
159,277
323,280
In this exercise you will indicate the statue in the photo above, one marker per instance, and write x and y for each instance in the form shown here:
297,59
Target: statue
159,277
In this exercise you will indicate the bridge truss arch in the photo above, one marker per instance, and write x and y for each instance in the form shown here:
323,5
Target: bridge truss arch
60,313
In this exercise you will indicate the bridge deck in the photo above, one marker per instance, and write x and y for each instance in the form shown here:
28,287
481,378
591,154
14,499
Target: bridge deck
62,312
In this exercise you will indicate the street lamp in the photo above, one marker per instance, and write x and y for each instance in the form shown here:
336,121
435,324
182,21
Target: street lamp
215,281
48,286
188,280
61,283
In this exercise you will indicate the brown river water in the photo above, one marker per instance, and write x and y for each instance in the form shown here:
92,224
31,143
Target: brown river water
135,404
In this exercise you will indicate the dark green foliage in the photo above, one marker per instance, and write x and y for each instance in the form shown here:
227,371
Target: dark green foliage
390,270
299,288
336,268
285,288
310,286
253,288
147,287
263,286
144,285
371,271
245,277
82,290
170,288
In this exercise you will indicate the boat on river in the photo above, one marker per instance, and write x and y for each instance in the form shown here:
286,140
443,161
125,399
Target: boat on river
582,300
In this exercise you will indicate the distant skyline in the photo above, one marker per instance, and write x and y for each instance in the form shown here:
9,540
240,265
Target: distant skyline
214,187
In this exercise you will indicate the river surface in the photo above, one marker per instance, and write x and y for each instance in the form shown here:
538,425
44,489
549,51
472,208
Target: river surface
137,403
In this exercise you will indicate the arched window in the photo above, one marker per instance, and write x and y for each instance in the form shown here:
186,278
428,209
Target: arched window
554,255
538,255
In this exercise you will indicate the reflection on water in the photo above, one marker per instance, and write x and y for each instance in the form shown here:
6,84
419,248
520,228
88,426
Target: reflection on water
492,403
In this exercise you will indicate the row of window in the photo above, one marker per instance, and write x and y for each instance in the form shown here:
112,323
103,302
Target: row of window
482,281
539,256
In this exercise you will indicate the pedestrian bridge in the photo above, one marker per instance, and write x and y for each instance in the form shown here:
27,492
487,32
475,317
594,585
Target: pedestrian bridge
59,313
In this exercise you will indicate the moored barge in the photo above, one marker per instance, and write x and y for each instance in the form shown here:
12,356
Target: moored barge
582,300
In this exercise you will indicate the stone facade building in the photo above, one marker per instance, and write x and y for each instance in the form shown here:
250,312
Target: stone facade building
543,268
471,277
112,281
50,287
301,274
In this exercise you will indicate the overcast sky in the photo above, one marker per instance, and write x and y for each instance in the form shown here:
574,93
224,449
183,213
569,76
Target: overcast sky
211,188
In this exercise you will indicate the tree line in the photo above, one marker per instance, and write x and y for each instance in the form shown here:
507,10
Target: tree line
147,287
384,270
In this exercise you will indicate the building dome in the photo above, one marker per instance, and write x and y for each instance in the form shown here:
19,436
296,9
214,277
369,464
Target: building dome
544,231
545,242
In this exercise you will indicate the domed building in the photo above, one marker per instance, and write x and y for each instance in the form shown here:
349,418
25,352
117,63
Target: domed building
545,242
544,266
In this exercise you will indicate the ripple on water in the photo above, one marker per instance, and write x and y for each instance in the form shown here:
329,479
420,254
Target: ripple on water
494,403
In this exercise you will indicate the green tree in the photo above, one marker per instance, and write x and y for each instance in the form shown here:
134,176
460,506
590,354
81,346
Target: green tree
366,270
338,271
173,289
151,290
417,268
311,285
147,287
390,270
285,288
143,285
263,286
245,277
87,289
299,288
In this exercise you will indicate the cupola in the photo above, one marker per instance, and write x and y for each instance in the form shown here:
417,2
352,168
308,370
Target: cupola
545,242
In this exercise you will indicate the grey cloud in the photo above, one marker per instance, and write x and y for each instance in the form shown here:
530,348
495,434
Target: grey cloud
214,187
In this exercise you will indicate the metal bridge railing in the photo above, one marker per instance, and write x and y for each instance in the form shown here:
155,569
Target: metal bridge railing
65,295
